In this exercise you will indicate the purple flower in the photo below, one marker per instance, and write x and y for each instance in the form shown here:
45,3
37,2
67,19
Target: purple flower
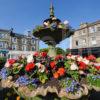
3,73
72,86
22,81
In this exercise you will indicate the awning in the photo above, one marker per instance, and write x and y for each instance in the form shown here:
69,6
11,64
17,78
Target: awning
4,51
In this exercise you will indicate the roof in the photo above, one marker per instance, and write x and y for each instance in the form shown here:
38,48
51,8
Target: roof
4,30
89,24
16,34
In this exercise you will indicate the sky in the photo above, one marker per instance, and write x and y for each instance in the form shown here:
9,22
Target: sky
24,15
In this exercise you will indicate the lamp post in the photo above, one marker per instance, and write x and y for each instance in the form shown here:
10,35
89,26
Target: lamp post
11,35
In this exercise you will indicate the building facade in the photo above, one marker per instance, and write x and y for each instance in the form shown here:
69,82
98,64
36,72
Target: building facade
10,40
87,36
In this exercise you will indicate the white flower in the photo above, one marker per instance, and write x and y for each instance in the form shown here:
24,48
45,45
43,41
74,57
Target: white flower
68,57
97,64
7,64
45,23
38,64
73,57
20,66
66,22
30,58
40,67
81,72
23,56
79,58
85,61
73,66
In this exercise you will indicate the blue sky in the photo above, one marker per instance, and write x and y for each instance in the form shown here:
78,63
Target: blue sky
24,15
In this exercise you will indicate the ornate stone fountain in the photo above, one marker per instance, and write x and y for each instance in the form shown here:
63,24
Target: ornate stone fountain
53,31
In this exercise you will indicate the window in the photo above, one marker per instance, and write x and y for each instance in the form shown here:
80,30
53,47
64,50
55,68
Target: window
77,43
33,48
14,47
14,39
92,29
24,48
1,44
83,32
33,41
24,41
93,40
80,33
2,35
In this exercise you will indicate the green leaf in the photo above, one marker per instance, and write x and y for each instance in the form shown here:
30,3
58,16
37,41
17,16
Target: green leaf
43,77
67,65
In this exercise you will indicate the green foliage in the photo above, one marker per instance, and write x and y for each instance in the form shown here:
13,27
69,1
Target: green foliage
63,83
2,61
63,26
74,74
68,51
44,50
37,28
94,80
59,50
93,70
43,77
67,64
98,60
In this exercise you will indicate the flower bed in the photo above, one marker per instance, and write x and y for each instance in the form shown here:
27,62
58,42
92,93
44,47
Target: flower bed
70,76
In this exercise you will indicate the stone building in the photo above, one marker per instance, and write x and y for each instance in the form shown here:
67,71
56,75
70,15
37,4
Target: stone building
10,40
87,35
86,39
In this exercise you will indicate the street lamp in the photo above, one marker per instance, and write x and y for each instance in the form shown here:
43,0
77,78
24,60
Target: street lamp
11,35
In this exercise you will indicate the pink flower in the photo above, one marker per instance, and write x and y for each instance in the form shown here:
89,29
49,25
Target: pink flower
7,64
69,56
36,54
10,62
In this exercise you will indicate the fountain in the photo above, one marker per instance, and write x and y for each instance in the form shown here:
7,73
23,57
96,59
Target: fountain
53,31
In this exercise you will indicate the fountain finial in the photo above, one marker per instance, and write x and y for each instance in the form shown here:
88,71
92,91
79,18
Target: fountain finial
51,10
